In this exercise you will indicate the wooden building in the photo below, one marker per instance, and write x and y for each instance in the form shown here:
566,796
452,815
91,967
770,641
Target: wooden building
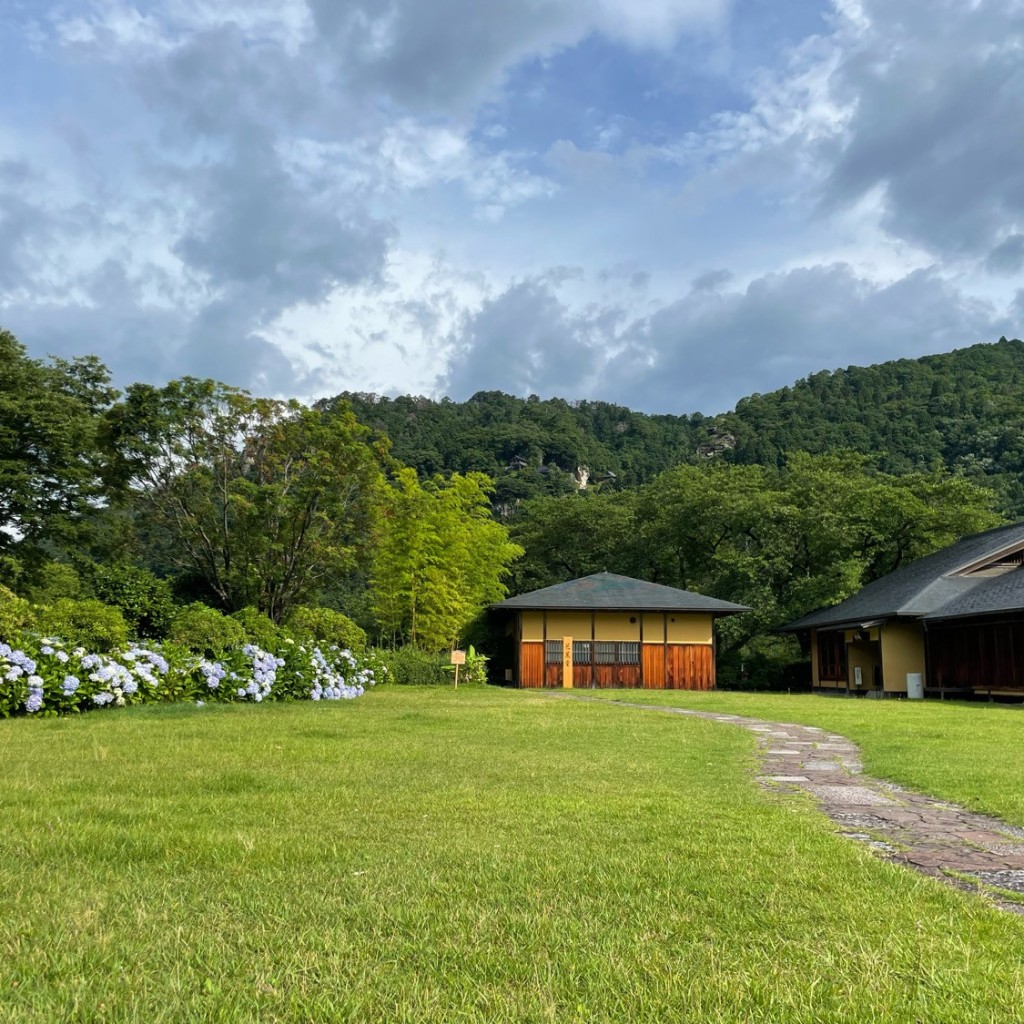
955,619
607,630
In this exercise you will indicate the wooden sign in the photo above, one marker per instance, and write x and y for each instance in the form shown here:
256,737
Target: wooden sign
567,662
458,658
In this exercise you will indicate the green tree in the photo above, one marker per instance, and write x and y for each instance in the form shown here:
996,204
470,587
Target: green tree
440,559
264,502
51,455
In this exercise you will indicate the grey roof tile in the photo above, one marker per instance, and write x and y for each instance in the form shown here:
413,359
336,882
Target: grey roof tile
607,591
922,587
991,596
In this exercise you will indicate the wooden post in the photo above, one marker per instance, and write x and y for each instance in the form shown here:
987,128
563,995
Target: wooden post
567,662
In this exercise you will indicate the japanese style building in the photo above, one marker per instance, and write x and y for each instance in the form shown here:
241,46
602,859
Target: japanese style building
607,630
953,621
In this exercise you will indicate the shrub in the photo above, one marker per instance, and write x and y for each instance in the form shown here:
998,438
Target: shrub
260,629
56,581
46,676
204,630
144,599
326,626
90,623
15,614
409,666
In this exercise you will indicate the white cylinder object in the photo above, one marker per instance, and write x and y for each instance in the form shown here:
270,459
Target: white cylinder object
915,686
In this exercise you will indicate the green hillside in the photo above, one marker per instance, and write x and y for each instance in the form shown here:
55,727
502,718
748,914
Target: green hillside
963,410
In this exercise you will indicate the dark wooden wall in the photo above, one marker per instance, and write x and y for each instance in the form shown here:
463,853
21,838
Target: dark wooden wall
979,656
665,667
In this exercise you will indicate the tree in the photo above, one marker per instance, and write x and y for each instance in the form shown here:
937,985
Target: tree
51,457
262,501
440,560
565,538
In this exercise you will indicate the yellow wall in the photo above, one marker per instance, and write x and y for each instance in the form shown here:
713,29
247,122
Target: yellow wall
574,624
690,628
654,627
533,625
616,626
902,652
867,659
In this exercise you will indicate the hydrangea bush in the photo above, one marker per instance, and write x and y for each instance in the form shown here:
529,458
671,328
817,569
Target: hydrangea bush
43,675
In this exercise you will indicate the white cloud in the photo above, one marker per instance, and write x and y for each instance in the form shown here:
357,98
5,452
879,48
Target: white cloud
717,343
300,195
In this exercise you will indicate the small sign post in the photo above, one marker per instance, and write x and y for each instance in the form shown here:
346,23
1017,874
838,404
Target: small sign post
567,662
458,658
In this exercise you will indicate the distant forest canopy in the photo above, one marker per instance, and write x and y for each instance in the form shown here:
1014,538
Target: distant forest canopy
171,508
962,410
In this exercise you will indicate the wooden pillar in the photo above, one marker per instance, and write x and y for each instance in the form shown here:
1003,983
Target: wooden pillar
593,651
664,640
714,656
517,668
641,649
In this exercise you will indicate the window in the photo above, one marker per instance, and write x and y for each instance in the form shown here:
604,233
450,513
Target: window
581,652
552,652
607,652
832,656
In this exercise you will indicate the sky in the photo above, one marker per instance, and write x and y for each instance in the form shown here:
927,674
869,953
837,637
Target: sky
668,204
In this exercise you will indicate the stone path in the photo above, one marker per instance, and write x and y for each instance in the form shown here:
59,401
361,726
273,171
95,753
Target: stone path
968,851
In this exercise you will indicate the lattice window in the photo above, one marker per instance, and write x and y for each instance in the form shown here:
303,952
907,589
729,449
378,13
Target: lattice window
552,652
581,652
832,656
629,654
605,652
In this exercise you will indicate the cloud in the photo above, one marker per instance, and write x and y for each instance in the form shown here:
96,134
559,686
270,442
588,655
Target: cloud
1008,256
232,190
451,54
707,350
710,280
527,341
24,227
254,226
936,94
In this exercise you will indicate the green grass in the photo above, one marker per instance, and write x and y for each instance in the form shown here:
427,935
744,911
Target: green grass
429,856
970,753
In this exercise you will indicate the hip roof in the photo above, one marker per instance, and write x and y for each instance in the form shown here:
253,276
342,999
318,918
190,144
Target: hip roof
607,591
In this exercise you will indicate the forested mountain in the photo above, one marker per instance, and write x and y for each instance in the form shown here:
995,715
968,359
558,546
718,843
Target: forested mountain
963,410
528,446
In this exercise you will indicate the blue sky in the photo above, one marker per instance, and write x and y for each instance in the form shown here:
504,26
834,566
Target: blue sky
664,203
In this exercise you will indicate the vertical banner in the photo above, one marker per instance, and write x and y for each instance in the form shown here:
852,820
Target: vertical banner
567,662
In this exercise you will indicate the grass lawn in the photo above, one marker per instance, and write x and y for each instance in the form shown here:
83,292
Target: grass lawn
481,856
967,752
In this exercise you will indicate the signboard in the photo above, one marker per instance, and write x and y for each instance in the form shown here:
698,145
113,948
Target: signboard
567,662
458,658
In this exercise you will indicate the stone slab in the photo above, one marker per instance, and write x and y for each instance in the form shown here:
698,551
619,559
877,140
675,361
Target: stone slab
856,796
